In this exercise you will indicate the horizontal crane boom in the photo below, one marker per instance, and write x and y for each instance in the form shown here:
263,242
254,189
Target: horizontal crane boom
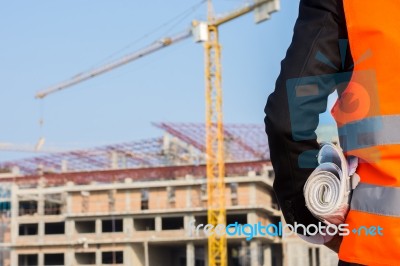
124,60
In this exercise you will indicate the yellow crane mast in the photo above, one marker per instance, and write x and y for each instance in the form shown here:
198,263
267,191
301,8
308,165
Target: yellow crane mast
216,213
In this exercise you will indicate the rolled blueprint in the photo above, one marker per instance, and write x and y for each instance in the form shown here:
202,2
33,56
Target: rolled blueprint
327,191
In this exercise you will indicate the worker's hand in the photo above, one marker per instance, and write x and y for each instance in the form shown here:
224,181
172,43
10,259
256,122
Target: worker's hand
334,243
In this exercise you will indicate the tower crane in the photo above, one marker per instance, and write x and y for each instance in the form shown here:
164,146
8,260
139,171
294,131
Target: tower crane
207,33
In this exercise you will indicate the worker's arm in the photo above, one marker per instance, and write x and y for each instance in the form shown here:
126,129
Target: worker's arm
318,28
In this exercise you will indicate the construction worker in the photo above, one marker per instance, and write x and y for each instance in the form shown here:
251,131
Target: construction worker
367,113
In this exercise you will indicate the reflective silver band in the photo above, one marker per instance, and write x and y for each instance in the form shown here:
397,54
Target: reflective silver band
371,131
376,199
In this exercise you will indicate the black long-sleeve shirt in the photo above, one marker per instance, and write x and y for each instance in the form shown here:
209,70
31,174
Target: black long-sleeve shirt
313,57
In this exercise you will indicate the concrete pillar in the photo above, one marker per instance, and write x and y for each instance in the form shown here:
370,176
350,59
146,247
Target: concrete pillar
40,204
69,228
252,217
40,258
98,227
128,255
40,211
69,257
146,253
158,223
13,257
187,222
98,257
255,253
267,255
190,257
128,226
41,231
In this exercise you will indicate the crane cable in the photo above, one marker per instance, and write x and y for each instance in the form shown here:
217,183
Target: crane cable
179,18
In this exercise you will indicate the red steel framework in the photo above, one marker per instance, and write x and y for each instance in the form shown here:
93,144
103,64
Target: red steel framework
246,148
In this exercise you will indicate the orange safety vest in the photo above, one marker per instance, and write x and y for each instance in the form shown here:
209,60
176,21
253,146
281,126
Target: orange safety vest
368,118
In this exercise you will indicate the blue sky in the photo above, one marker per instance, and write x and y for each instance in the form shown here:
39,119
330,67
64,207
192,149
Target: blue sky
45,42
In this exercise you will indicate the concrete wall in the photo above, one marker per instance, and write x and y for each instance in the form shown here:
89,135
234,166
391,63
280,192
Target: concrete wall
138,255
263,196
129,199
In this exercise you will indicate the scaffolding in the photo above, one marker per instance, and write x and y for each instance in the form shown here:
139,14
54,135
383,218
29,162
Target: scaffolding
183,145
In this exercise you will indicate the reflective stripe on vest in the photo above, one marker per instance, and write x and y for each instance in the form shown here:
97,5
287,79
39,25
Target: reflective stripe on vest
369,132
376,199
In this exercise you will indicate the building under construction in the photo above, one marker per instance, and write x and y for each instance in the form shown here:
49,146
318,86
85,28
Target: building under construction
135,204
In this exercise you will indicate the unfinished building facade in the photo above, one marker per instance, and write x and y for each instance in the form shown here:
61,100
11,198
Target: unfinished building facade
137,223
118,214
